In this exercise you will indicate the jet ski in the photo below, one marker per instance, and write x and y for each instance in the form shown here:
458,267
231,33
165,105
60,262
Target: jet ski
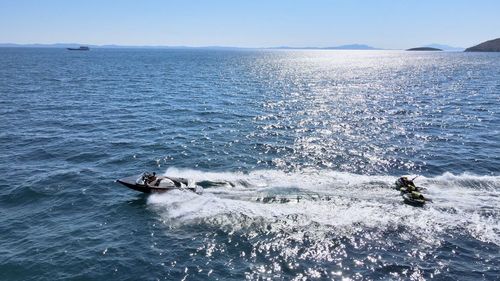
150,183
410,192
414,199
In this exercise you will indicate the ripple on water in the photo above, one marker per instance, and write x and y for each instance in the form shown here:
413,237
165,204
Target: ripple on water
297,151
329,231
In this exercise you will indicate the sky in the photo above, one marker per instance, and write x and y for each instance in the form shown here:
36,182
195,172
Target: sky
392,24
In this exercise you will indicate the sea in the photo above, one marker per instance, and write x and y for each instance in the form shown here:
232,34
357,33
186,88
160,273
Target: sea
297,152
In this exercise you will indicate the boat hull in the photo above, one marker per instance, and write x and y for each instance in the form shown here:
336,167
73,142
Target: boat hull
79,49
144,188
131,182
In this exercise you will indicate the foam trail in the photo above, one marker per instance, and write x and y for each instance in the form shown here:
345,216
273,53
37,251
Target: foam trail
461,203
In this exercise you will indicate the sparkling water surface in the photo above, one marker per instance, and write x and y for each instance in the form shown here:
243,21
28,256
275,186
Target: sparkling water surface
297,150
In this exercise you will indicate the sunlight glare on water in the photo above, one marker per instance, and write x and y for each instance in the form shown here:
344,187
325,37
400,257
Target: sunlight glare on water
297,151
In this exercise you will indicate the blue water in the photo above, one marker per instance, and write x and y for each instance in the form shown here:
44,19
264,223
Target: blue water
329,131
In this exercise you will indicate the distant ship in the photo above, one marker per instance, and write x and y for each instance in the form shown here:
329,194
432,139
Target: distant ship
81,48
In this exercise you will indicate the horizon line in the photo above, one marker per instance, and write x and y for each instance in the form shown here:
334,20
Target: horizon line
353,46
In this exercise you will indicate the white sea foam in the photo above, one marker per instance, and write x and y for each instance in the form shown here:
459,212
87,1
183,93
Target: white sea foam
335,202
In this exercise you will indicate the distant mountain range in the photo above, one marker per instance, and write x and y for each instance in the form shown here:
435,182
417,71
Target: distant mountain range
444,47
111,46
342,47
75,45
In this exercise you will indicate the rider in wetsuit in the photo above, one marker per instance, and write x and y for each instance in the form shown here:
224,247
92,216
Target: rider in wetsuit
410,187
407,185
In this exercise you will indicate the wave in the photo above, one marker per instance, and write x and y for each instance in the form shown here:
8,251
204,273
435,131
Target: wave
338,203
309,178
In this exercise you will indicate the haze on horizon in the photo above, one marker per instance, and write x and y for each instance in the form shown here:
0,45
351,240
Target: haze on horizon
383,23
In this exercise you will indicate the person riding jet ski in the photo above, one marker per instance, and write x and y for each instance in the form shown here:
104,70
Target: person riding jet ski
407,182
410,192
406,185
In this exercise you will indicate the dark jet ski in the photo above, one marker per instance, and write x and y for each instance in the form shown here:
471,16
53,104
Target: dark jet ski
150,183
415,199
410,192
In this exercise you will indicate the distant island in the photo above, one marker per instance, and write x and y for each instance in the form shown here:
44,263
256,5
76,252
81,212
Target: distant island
424,49
488,46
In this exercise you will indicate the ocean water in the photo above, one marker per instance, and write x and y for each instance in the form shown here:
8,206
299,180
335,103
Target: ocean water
297,150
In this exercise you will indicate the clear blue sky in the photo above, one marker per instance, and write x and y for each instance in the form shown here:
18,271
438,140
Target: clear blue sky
251,23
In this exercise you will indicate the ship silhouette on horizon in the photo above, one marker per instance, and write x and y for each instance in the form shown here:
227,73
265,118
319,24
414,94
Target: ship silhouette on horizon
81,48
